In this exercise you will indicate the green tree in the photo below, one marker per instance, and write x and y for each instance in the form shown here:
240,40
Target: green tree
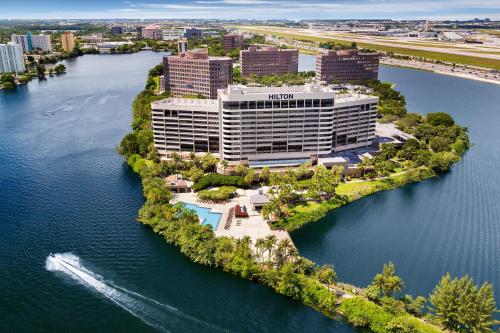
461,306
326,274
249,177
241,170
388,282
265,174
439,118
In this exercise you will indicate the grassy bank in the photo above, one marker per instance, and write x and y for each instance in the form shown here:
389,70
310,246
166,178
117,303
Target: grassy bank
441,56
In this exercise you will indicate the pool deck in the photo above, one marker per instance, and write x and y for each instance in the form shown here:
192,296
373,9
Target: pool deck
254,226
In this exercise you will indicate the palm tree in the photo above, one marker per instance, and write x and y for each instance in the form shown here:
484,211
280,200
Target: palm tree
176,158
270,242
259,246
224,164
284,247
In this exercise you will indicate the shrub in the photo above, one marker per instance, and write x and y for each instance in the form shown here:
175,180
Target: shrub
221,194
215,179
440,118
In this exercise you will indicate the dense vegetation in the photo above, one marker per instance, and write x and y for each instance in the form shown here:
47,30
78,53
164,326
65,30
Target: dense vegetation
215,179
276,263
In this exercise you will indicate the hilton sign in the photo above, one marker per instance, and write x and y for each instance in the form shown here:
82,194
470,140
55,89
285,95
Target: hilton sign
280,96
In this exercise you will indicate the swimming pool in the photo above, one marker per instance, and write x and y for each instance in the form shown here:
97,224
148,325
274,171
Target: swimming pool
206,216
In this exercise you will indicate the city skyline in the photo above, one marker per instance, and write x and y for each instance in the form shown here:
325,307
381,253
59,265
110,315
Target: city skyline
253,9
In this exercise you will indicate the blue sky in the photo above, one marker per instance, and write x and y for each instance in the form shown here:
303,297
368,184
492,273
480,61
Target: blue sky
258,9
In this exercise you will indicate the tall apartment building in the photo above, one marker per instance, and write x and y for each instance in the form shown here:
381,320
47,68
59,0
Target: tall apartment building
190,33
68,41
347,65
232,41
182,45
268,60
11,58
152,32
31,42
194,72
266,125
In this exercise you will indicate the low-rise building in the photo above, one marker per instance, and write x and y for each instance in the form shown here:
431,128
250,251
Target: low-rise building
347,65
195,73
268,60
11,58
108,47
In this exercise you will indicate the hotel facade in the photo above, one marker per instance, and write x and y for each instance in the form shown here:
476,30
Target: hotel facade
347,65
268,60
262,126
194,72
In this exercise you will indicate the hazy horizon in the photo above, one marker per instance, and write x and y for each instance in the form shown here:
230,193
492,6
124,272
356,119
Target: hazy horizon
253,9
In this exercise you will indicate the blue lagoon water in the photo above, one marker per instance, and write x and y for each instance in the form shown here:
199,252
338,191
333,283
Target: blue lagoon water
447,224
64,190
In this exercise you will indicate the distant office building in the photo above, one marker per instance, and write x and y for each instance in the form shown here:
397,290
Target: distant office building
182,45
117,30
266,126
190,33
93,39
232,41
11,58
268,60
152,32
194,72
347,65
139,29
67,41
31,42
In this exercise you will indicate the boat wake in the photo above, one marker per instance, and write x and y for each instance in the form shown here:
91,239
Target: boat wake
155,314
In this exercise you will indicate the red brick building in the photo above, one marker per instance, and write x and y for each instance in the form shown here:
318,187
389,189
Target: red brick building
347,65
194,72
268,60
232,41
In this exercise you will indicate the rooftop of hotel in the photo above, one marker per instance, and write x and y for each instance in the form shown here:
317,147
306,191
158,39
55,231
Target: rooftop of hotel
177,101
244,90
351,96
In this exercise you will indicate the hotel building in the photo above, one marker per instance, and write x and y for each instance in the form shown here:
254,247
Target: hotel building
347,65
67,41
194,72
11,58
268,60
31,42
266,125
232,41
